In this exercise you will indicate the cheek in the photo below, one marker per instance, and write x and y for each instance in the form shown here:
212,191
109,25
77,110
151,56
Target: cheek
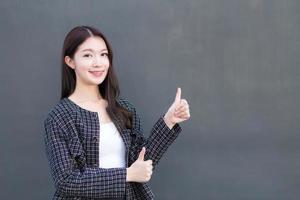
81,70
83,65
107,63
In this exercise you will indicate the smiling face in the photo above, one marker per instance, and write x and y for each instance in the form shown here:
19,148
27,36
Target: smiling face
90,62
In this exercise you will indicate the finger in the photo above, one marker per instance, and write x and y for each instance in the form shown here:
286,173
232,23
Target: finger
182,114
183,101
181,104
181,111
149,162
178,96
142,154
186,116
182,108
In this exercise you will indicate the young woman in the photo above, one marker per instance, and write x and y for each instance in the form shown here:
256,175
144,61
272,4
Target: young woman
94,138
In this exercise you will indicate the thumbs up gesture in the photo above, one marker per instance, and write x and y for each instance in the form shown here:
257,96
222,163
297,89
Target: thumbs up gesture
178,112
140,170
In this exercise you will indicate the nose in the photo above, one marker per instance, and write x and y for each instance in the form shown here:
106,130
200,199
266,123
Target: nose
99,61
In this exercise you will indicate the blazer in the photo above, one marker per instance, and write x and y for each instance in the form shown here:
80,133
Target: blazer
72,141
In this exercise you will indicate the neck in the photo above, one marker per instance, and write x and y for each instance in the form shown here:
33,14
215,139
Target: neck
86,93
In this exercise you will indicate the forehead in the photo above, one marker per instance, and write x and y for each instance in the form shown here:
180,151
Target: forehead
94,43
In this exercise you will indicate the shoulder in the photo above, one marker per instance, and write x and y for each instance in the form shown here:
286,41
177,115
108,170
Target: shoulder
126,104
60,111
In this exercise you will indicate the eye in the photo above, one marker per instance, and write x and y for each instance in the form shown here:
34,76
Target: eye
87,55
104,54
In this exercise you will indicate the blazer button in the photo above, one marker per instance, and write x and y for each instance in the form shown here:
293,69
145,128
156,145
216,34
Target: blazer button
95,138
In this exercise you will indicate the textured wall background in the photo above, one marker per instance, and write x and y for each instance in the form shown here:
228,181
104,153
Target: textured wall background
237,62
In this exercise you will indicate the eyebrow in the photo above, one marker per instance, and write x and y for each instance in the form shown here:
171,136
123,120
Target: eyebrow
93,50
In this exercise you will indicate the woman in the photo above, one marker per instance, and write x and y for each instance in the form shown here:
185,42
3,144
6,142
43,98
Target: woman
94,138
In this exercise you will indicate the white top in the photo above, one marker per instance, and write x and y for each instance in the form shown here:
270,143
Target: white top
111,147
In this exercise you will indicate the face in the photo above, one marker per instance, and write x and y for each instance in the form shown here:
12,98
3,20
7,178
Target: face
90,62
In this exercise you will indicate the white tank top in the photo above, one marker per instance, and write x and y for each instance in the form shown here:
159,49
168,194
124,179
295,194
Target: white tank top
111,147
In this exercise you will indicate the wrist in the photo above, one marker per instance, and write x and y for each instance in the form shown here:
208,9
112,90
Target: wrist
128,174
168,122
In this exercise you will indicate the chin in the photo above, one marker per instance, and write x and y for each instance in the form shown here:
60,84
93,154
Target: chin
98,82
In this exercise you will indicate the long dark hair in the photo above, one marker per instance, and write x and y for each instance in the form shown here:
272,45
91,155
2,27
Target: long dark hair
109,88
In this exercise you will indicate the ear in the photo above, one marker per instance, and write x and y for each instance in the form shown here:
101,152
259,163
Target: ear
69,61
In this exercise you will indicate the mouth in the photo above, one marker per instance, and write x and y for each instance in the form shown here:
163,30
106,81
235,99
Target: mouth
97,73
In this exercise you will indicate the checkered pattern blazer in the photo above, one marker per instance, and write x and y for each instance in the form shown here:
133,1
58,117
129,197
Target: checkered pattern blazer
72,142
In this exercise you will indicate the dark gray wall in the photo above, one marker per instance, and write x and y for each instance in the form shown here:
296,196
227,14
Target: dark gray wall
237,62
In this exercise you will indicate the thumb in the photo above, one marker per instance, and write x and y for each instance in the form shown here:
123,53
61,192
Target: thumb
178,96
142,154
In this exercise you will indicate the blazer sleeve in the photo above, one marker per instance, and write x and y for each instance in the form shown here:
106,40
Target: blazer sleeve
161,137
71,180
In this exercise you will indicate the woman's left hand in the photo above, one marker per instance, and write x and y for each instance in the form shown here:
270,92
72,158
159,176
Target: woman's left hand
178,112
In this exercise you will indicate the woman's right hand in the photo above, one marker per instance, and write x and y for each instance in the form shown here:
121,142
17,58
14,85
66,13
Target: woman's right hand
140,170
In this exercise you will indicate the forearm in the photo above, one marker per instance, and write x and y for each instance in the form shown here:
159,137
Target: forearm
160,139
94,183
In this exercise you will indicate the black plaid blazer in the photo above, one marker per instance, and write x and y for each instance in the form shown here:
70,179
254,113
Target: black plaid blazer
72,142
